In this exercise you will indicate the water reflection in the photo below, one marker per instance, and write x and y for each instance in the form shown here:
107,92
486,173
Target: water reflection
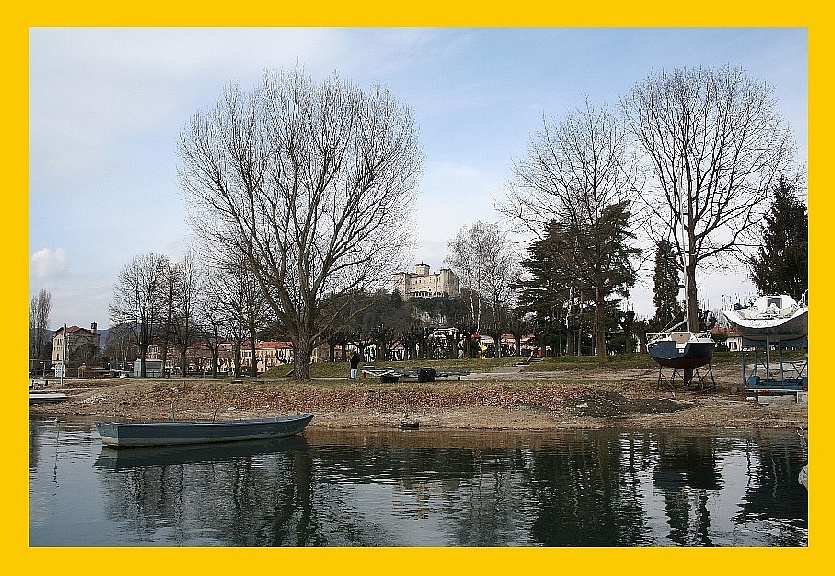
443,488
241,494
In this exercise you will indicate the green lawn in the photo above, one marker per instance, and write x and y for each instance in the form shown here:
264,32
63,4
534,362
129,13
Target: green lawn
626,361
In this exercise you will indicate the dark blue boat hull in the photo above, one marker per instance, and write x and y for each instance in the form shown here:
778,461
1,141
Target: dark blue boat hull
694,355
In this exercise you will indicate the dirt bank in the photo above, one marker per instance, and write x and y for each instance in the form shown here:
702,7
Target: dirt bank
506,399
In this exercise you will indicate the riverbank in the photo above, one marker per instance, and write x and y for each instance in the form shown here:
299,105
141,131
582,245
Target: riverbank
503,398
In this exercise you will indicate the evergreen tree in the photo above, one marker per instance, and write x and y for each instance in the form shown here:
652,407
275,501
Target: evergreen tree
781,263
545,289
576,268
665,286
603,263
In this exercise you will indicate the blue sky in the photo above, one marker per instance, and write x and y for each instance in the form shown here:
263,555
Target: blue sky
107,107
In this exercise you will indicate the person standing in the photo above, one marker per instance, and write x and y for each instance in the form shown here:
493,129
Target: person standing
355,364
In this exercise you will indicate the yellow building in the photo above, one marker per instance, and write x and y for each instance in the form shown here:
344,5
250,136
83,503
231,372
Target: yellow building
422,284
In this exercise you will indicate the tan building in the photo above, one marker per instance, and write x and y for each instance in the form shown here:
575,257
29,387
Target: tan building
72,346
422,284
267,355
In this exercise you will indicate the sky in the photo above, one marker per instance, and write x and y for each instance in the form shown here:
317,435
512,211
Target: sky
107,105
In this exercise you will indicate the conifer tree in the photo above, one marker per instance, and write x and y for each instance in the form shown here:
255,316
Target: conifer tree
665,286
781,263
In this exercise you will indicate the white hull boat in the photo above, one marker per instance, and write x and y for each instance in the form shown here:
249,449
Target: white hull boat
771,320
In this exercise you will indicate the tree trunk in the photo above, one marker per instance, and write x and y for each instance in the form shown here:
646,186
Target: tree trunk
237,359
569,341
692,299
302,354
143,356
183,361
599,330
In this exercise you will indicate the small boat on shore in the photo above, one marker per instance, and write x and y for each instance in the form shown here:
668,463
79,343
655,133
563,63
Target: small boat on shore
775,319
174,433
681,350
46,397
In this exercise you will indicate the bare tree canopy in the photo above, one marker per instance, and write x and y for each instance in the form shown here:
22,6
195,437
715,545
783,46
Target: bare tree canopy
312,183
487,264
574,169
714,146
139,299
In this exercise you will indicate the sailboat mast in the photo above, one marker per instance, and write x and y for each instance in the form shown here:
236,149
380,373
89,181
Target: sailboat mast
686,259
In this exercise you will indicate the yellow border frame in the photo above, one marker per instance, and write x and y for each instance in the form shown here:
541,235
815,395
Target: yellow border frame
369,562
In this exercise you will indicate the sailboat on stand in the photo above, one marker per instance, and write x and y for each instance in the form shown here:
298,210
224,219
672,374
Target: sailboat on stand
682,349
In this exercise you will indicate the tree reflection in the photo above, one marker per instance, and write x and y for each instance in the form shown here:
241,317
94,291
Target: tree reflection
242,494
686,472
586,493
588,488
773,494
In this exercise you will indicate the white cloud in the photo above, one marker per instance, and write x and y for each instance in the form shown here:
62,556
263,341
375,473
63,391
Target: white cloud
47,263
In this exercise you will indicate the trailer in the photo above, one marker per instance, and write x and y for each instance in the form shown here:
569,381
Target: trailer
422,374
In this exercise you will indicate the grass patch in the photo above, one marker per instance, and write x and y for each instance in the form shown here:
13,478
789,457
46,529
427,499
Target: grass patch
621,361
340,370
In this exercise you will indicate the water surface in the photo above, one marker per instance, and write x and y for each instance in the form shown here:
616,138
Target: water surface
422,488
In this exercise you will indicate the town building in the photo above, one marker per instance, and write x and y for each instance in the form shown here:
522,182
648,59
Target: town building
730,337
73,346
422,284
267,355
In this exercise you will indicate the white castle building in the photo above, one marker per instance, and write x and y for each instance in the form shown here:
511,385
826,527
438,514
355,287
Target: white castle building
422,284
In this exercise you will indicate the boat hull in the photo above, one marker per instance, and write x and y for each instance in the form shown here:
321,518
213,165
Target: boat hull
774,331
693,355
771,319
140,434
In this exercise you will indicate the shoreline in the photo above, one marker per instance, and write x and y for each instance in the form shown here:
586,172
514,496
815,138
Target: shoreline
570,399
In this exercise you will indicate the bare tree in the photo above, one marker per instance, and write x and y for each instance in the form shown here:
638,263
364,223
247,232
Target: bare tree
138,300
233,308
487,265
165,329
120,345
210,317
714,146
39,308
187,285
575,174
312,184
573,170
